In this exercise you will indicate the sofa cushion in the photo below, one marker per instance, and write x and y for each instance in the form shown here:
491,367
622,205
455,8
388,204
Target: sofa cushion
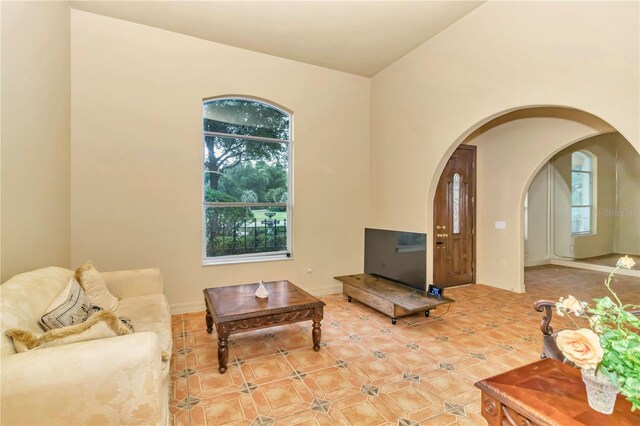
96,288
149,313
25,297
71,306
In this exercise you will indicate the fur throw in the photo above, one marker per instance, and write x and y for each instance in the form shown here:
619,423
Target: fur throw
100,325
78,273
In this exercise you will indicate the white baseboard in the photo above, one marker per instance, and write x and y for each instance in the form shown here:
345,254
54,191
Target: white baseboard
329,289
592,267
537,263
185,308
501,286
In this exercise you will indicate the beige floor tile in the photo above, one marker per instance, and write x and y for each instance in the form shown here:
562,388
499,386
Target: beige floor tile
332,382
282,396
440,420
266,369
363,414
181,418
450,386
410,399
376,370
223,412
309,360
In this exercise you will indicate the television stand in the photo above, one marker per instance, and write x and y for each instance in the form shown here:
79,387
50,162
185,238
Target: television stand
388,297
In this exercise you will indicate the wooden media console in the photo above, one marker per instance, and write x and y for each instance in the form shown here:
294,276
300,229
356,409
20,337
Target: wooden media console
388,297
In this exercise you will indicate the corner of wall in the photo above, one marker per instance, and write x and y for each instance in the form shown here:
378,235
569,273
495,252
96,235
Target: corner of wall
35,216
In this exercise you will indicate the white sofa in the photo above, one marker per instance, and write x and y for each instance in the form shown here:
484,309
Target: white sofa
116,380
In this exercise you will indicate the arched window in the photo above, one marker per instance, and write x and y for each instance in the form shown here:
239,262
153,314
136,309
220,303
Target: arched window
246,176
582,200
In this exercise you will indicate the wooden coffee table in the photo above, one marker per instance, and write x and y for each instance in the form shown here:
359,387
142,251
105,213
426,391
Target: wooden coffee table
235,309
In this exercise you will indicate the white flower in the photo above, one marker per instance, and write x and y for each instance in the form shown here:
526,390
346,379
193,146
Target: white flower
594,322
570,304
625,262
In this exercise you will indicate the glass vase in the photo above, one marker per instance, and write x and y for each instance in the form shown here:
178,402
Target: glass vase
601,393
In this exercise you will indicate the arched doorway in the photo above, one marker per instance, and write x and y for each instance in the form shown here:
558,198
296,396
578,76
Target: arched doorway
512,147
581,208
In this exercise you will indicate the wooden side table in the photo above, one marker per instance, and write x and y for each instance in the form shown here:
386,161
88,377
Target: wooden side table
546,392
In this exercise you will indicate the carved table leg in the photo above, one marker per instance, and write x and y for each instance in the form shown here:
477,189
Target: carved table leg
209,321
316,334
223,350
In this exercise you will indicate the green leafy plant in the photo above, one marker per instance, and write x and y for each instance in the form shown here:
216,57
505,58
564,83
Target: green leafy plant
612,344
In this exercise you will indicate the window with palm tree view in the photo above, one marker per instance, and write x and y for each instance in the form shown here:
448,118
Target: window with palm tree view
246,156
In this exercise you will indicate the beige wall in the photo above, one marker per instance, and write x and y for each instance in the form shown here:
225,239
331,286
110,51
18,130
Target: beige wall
136,156
536,246
627,239
500,57
35,136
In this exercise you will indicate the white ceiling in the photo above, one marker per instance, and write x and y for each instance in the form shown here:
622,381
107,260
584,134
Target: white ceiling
359,37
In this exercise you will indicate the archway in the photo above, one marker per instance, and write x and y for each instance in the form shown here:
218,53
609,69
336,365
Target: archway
514,145
583,206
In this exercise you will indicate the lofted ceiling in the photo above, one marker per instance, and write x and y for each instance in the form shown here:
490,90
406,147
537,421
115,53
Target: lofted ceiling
359,37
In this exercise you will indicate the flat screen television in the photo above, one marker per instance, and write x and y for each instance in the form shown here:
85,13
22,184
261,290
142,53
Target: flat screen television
396,256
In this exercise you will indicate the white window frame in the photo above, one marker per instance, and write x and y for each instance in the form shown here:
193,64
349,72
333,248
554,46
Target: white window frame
253,257
592,194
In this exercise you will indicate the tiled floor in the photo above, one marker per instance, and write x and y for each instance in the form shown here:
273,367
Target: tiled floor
369,372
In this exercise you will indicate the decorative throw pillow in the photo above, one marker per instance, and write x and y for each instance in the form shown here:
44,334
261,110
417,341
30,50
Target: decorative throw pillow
70,307
95,287
98,326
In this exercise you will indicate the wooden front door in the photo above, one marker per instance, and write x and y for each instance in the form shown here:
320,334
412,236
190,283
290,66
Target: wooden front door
454,220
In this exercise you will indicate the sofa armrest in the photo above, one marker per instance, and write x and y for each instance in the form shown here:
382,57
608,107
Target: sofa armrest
135,282
116,380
